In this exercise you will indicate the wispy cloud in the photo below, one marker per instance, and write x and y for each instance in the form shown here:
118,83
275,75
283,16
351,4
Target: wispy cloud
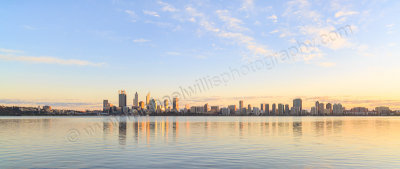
274,18
2,50
132,14
231,22
345,13
151,13
167,7
49,60
141,40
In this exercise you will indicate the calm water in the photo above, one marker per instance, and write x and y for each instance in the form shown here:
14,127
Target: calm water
199,142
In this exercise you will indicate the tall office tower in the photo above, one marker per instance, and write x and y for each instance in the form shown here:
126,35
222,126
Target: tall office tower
280,109
287,110
267,109
321,109
136,100
106,106
249,107
148,98
175,104
232,109
166,104
152,105
122,98
241,105
298,106
262,106
141,104
317,108
329,107
273,111
337,109
207,108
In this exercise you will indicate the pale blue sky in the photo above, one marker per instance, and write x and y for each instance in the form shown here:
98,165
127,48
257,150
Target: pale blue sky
85,51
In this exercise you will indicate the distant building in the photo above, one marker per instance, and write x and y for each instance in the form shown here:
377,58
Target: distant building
297,106
122,98
136,100
225,111
287,110
267,109
207,107
317,108
337,109
232,108
141,105
383,110
166,104
241,105
47,108
148,99
273,111
321,109
215,109
280,109
262,107
106,106
175,104
329,108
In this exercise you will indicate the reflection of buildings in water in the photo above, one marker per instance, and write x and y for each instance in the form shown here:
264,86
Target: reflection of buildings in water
175,130
337,126
329,126
297,128
122,133
136,126
319,127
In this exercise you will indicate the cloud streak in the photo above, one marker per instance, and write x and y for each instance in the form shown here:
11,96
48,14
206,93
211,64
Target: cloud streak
49,60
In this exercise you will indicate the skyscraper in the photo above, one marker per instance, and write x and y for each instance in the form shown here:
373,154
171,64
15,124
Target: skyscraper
122,98
280,109
287,110
317,108
262,106
329,107
267,109
298,106
241,105
148,98
136,100
166,104
321,109
273,109
175,104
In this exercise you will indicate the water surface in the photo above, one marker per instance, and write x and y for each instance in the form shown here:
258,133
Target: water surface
199,142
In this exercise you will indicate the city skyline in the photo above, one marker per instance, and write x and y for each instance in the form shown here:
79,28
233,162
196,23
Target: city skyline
77,55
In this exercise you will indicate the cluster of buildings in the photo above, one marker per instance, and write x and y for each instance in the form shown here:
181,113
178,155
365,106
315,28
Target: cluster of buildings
156,107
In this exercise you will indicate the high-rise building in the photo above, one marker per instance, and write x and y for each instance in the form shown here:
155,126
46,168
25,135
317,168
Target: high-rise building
317,108
287,110
337,109
166,104
280,109
148,98
175,104
298,106
141,104
262,107
207,108
106,106
321,109
232,109
249,107
329,107
136,100
273,111
241,104
267,109
122,98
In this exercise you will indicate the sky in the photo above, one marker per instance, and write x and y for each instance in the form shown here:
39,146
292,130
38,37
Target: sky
74,54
